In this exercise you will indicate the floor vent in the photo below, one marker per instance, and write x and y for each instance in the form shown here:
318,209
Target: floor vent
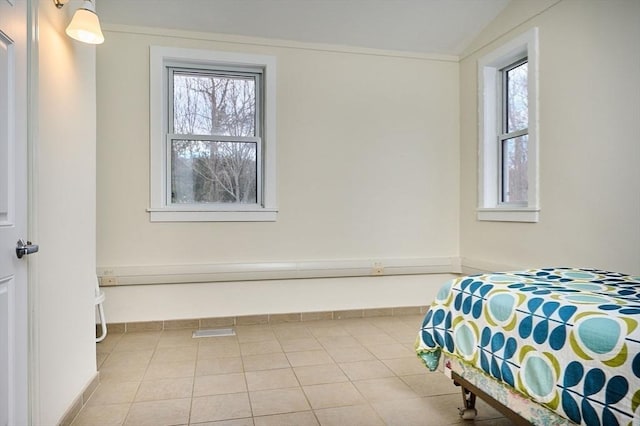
218,332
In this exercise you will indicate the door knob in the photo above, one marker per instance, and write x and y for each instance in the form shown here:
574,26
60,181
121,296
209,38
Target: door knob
23,248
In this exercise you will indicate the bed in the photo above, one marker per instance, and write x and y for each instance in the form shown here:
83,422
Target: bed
547,346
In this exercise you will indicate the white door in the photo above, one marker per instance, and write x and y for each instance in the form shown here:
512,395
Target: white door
13,212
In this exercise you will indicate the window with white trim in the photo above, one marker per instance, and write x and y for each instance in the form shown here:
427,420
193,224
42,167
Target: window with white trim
508,115
212,136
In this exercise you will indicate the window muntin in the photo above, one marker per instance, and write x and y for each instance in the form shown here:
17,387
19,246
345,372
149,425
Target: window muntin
222,103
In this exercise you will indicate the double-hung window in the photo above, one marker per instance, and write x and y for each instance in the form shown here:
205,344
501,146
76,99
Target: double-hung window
508,145
212,136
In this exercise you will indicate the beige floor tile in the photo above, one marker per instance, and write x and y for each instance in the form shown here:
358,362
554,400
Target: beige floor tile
177,338
248,334
138,341
338,341
355,415
361,370
381,338
101,358
291,331
406,366
120,375
350,354
220,407
271,379
265,362
219,384
384,389
99,416
258,348
128,360
159,413
109,342
391,351
431,384
170,370
173,354
320,374
333,395
304,418
330,330
361,328
278,401
302,344
413,412
155,390
235,422
299,359
207,367
220,350
114,393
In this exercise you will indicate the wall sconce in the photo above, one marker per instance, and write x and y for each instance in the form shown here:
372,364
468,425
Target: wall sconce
85,25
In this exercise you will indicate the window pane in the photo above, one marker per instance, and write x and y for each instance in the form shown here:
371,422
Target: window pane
517,112
207,104
213,172
514,170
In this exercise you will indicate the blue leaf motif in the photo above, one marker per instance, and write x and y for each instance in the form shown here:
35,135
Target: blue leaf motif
475,286
557,337
507,375
617,388
593,382
447,321
589,414
510,348
524,329
635,365
608,418
428,340
466,305
457,302
465,283
549,308
541,332
573,374
485,289
438,317
534,304
484,362
449,342
477,309
497,342
495,369
570,407
566,312
427,318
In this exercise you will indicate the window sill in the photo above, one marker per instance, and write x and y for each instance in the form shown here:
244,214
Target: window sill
508,214
182,215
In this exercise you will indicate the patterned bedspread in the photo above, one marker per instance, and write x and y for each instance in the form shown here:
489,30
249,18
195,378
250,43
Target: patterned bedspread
565,338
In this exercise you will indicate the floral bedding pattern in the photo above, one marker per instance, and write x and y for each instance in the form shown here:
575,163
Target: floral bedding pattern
568,339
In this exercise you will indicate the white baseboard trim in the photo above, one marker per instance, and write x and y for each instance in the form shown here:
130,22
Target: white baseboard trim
176,274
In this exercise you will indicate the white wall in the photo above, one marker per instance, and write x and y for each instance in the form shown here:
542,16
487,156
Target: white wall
589,152
367,163
64,215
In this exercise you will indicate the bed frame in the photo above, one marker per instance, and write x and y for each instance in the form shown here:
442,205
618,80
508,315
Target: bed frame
469,393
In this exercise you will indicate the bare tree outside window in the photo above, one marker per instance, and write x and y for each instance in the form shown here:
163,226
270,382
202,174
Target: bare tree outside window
515,137
214,154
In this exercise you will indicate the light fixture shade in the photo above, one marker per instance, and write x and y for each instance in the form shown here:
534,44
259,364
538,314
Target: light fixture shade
85,25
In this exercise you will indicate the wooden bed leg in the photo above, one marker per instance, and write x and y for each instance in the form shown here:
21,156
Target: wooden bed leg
468,410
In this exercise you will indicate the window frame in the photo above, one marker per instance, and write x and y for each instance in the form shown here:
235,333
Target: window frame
162,60
492,128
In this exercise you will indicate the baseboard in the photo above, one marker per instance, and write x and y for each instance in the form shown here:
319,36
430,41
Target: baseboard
80,401
283,270
201,323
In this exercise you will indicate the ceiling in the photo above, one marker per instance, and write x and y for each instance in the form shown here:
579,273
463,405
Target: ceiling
424,26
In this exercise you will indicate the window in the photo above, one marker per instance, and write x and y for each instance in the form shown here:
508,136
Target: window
212,136
508,169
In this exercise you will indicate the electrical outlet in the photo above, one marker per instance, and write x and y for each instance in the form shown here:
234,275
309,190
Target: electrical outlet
109,280
378,269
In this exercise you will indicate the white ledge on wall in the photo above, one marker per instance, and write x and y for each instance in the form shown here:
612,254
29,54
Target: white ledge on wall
175,215
203,273
508,215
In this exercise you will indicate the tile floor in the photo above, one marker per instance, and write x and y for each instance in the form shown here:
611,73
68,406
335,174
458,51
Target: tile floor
341,372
